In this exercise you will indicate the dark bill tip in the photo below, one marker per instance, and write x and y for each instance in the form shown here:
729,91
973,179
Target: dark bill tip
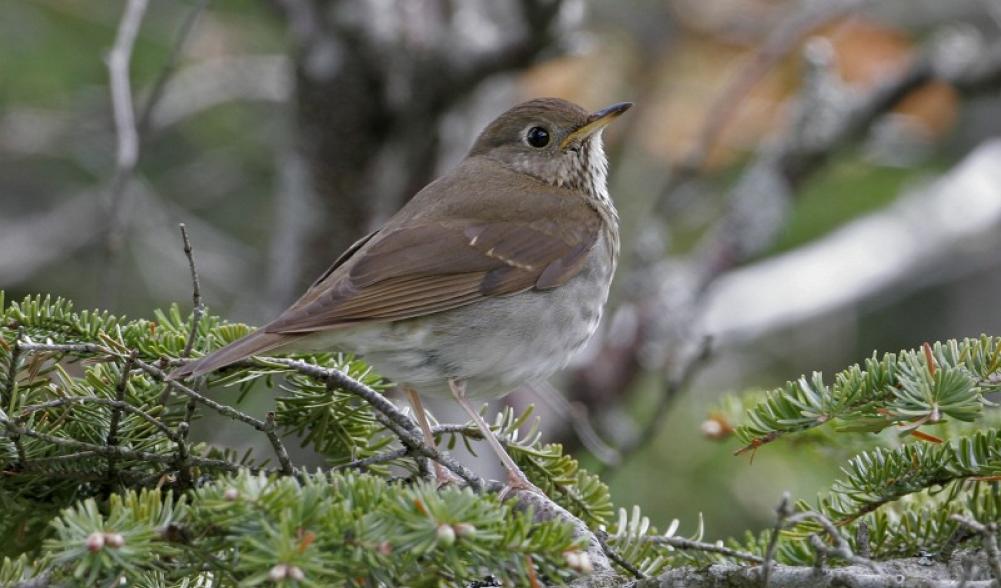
611,111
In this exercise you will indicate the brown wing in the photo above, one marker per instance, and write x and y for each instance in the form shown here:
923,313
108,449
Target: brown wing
430,267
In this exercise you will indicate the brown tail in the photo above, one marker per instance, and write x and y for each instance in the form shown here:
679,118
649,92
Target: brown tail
253,344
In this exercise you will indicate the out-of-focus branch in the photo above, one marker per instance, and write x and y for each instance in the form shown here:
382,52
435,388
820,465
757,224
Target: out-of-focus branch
127,154
118,61
129,135
786,37
373,87
168,69
667,296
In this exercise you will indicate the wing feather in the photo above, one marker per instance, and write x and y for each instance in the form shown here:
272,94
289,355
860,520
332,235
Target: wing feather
422,268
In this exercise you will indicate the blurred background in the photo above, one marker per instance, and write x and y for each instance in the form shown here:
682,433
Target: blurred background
800,183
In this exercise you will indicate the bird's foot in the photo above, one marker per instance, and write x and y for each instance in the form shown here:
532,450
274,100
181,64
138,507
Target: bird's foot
517,482
443,477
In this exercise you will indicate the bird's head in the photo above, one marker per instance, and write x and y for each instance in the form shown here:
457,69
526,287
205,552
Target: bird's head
553,140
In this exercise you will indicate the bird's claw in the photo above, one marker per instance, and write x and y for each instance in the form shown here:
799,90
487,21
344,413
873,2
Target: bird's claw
517,482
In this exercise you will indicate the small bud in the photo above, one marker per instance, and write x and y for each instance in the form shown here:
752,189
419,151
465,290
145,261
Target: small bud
578,561
278,573
296,573
446,534
231,494
114,540
95,542
716,427
464,530
385,548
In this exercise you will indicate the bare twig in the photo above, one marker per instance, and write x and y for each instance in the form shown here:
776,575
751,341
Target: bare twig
79,348
117,405
989,534
118,452
183,455
618,559
782,512
841,548
222,409
7,398
345,382
283,459
196,293
391,416
371,460
116,412
862,539
692,545
12,366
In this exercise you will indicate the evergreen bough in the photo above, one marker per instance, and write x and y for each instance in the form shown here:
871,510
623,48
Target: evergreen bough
99,481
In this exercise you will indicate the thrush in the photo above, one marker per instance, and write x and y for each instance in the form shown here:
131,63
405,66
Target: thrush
492,276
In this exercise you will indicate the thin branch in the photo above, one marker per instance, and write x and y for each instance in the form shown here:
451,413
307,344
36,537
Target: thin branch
989,534
7,398
183,457
116,412
79,348
129,134
692,545
345,382
168,69
862,539
121,90
841,548
782,512
391,416
222,409
276,443
117,405
15,358
66,457
616,558
119,452
375,459
196,293
127,137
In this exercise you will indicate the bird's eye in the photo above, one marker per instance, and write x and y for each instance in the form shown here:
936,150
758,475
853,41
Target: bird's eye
537,137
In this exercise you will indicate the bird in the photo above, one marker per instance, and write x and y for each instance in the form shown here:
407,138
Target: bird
491,277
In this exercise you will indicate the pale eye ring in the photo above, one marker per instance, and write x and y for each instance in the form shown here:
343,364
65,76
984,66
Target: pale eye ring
537,137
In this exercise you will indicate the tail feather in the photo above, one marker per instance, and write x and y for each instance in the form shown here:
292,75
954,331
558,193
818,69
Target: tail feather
253,344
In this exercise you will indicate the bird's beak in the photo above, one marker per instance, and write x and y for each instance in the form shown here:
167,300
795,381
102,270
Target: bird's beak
595,123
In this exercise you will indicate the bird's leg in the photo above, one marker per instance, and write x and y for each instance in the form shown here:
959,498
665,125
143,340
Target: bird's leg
515,477
442,475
